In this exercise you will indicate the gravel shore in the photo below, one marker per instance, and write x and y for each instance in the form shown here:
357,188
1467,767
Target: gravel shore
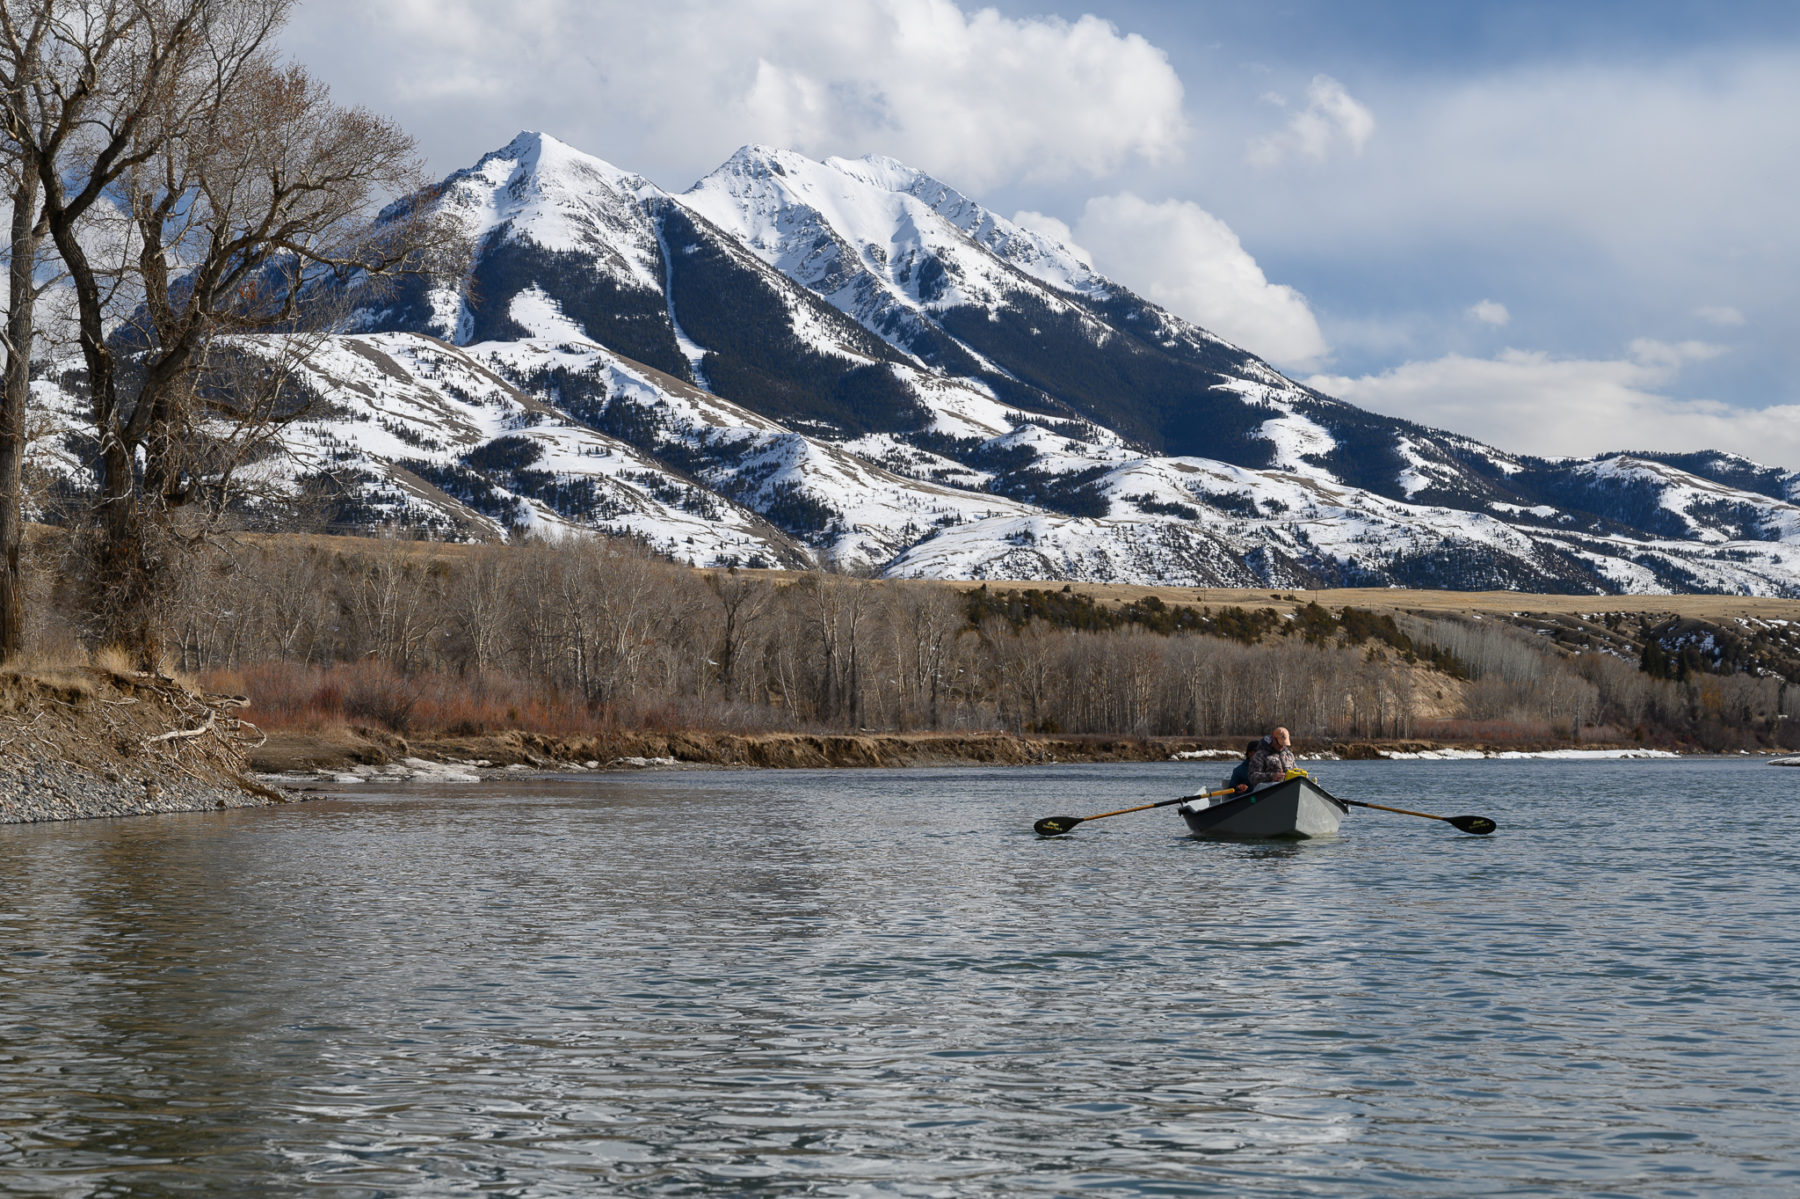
89,743
57,791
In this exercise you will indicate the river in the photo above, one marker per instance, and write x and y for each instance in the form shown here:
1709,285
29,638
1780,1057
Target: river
881,983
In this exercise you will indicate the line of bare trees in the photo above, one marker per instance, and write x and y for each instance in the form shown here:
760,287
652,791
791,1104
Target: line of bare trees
605,629
173,186
635,638
1516,679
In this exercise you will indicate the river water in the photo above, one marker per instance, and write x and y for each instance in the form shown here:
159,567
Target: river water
881,983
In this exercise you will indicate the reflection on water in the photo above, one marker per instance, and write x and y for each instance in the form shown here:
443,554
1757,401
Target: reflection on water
881,982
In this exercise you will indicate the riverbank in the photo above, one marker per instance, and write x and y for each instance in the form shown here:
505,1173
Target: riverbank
364,752
79,742
344,749
85,742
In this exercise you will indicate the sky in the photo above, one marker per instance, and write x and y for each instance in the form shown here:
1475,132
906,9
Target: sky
1563,228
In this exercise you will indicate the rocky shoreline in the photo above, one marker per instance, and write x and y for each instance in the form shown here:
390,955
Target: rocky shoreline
81,743
58,791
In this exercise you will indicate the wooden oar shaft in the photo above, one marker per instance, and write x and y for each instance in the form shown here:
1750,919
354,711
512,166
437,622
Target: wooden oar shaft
1161,803
1140,808
1481,826
1356,803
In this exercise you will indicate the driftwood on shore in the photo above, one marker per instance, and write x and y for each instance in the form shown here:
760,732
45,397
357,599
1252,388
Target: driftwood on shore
84,741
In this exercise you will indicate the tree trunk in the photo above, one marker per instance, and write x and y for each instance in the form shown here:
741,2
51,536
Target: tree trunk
124,578
15,397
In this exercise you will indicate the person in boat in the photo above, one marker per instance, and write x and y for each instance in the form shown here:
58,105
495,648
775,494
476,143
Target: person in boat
1240,774
1270,759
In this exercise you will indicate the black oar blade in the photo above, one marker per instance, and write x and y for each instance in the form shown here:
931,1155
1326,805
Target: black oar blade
1056,826
1479,825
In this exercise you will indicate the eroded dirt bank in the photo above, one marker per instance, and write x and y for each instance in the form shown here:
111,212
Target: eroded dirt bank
296,752
82,742
337,748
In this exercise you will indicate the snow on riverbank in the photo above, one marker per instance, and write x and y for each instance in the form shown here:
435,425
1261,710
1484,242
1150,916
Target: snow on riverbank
419,770
1514,754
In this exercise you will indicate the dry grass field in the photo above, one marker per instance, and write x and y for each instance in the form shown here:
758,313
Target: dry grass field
1376,599
1379,599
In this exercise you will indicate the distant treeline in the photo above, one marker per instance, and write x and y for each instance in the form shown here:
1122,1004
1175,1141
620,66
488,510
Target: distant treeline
1067,609
591,634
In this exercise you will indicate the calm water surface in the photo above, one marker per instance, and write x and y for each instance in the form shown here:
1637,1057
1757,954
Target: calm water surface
880,983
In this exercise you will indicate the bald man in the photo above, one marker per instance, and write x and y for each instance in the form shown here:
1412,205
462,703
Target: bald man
1272,758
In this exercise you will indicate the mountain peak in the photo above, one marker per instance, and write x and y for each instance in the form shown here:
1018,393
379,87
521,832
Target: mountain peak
758,159
535,154
541,192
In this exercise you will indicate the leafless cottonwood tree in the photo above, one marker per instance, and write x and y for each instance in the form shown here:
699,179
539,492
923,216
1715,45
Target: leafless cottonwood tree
742,602
82,77
17,341
44,87
236,198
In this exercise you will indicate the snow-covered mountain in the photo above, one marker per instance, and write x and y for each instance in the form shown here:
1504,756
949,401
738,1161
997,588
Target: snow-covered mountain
850,362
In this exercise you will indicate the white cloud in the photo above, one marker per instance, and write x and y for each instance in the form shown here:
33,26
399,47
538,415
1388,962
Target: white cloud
1671,356
1723,317
1529,402
1682,171
1332,116
1490,312
978,98
1189,261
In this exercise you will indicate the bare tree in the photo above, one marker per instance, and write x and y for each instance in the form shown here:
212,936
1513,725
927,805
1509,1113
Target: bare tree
44,89
925,623
838,609
245,196
480,602
87,78
396,605
16,343
744,602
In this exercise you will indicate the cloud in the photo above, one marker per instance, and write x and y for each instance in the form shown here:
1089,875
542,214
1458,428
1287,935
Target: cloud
1670,356
1332,116
1490,312
1723,317
978,98
1680,170
1189,261
1528,402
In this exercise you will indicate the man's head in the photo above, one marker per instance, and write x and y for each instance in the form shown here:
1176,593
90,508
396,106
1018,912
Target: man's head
1280,738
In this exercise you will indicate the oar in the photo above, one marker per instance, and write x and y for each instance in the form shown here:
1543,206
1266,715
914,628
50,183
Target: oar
1479,825
1056,826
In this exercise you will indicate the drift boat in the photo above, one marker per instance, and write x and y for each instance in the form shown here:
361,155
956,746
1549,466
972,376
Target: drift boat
1295,808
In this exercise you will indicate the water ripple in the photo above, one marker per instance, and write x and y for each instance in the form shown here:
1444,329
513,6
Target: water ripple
878,983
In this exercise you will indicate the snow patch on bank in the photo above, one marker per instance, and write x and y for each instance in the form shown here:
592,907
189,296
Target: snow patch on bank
1579,755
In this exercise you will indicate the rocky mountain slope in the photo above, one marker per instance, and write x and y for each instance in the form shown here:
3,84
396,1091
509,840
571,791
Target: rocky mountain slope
849,362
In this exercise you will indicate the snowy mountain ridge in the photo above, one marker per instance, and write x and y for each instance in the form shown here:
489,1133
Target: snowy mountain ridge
851,363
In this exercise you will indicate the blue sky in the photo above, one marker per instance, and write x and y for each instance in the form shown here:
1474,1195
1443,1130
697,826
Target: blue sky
1562,227
1443,36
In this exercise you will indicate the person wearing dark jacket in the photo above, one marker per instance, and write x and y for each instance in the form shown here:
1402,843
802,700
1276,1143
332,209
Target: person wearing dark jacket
1270,760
